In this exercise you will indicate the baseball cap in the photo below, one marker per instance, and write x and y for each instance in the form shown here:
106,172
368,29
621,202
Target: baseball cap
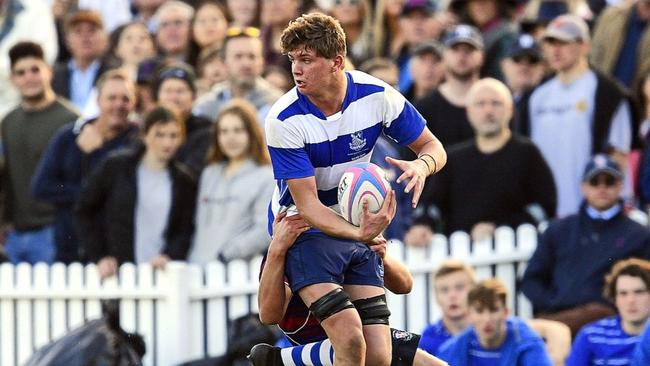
84,16
425,6
601,163
464,33
179,71
431,47
525,46
567,28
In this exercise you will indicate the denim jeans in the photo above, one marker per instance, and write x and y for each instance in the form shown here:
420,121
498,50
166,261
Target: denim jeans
31,246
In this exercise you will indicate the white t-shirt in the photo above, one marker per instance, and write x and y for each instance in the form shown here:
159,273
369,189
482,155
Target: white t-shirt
561,118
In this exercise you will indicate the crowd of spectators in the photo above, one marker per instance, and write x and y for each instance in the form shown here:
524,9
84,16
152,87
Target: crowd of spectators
135,132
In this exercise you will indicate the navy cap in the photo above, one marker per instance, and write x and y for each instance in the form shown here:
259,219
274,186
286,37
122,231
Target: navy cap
464,33
425,6
601,163
525,46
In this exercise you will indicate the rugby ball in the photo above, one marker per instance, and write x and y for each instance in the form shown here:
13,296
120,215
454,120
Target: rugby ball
361,181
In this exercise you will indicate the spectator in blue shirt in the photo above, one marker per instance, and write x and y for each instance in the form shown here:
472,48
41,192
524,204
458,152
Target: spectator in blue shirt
611,341
494,338
642,351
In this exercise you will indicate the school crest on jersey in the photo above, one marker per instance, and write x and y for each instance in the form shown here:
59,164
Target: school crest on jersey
358,141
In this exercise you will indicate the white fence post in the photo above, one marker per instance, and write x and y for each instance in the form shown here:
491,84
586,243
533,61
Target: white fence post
175,315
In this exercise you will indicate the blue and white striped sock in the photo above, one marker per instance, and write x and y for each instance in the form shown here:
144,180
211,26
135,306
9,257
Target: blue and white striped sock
311,354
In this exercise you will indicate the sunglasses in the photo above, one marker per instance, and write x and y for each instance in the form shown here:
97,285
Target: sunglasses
251,32
607,180
351,2
528,59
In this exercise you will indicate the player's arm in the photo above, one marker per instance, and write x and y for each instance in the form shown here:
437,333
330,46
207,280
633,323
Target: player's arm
273,294
305,195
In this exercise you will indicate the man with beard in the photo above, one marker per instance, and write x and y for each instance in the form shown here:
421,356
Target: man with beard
244,62
444,108
493,180
26,132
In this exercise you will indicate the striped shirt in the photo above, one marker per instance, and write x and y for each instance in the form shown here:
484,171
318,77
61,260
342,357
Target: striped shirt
304,143
603,342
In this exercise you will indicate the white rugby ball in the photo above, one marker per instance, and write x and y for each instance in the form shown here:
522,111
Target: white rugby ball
361,181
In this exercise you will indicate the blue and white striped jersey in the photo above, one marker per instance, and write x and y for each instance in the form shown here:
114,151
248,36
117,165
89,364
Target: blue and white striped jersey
603,342
304,143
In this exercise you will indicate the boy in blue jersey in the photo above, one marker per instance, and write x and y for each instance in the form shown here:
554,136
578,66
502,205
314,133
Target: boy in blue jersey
493,338
611,341
328,122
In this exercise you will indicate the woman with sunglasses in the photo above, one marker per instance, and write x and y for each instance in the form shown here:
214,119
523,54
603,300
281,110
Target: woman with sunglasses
138,206
234,190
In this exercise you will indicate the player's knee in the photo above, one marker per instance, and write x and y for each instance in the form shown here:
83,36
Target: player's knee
373,310
331,303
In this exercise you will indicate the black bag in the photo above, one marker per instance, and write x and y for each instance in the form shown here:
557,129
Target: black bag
100,342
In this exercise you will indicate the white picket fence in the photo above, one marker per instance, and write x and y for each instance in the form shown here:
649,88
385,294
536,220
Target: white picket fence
183,312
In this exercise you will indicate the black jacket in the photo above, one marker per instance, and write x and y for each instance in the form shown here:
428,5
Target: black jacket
62,77
106,208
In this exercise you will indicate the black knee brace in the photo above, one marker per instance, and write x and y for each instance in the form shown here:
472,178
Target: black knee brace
405,344
330,304
373,310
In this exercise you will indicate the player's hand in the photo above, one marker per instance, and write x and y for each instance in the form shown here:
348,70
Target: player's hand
160,261
107,267
378,245
373,224
89,139
418,235
286,230
415,172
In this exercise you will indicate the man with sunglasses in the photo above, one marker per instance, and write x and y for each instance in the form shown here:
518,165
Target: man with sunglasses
244,60
565,275
522,67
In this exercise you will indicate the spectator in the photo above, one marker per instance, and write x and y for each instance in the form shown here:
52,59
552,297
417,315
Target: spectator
77,149
244,63
17,24
145,11
496,179
492,18
355,17
611,341
444,108
564,276
493,337
26,131
642,351
173,29
427,70
138,206
87,42
208,29
211,71
114,13
234,190
244,13
275,16
175,86
621,44
452,283
130,45
278,77
383,69
523,66
415,29
575,114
